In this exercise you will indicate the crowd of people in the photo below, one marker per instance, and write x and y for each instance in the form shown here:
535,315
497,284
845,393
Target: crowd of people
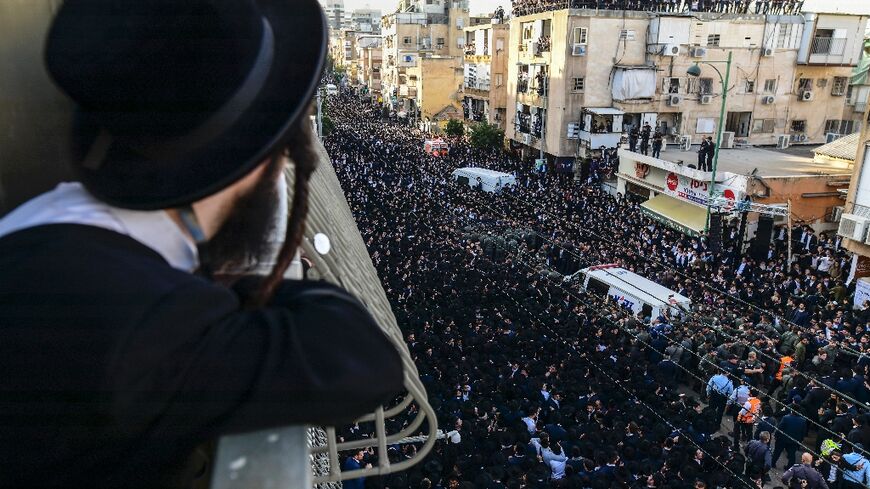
541,384
527,7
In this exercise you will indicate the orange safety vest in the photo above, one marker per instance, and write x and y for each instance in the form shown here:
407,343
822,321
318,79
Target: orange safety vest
754,408
782,363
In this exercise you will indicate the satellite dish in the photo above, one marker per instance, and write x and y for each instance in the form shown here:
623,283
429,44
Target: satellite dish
321,243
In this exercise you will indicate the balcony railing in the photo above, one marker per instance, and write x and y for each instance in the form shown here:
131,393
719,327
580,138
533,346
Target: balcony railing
832,46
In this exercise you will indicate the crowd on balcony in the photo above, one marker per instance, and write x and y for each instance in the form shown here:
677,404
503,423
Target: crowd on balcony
527,7
543,385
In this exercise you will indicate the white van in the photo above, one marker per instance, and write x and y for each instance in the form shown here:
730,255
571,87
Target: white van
632,290
331,89
488,180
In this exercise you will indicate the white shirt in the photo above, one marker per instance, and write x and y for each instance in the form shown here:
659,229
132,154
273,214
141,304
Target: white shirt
71,203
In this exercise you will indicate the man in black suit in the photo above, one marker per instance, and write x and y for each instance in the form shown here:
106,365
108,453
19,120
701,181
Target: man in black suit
711,151
790,434
121,352
702,155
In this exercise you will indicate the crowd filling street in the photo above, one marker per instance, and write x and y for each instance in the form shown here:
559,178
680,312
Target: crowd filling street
540,384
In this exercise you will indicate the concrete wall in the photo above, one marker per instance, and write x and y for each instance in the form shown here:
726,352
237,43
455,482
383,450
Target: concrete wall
34,115
438,85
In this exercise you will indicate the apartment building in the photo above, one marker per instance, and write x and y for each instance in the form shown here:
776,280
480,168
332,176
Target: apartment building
369,60
366,20
484,89
424,30
578,79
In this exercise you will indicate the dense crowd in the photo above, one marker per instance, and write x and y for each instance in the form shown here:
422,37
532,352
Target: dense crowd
542,384
527,7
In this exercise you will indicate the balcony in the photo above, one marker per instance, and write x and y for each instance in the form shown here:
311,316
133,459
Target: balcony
832,46
828,50
596,140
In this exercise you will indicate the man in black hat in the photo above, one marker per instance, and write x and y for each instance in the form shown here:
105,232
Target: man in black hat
119,353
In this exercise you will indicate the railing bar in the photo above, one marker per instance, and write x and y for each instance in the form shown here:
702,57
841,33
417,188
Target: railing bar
331,443
380,432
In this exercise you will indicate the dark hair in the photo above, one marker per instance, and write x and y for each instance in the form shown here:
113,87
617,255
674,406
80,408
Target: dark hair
298,146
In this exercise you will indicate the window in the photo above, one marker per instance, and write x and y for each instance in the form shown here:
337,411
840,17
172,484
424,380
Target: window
749,86
578,85
763,125
440,42
798,126
499,80
580,35
832,125
705,125
705,86
770,85
838,88
670,85
713,39
626,35
784,35
805,84
406,40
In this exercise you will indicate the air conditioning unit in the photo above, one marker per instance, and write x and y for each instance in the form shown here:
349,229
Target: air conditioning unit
727,140
671,50
767,52
782,141
699,52
806,95
831,137
853,227
837,213
674,100
768,99
706,99
685,142
527,139
578,50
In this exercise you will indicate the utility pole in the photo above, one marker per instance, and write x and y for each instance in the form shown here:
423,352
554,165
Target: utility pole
788,235
319,114
544,116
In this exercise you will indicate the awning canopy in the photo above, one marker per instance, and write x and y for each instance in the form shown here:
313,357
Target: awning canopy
604,111
682,216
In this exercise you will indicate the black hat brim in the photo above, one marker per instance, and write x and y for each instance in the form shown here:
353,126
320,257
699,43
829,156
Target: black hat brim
126,178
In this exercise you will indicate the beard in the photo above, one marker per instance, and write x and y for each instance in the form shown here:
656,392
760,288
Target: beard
243,240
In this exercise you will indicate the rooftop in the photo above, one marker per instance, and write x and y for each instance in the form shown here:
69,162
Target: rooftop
768,162
845,148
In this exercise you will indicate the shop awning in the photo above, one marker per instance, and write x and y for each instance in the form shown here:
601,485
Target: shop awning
684,217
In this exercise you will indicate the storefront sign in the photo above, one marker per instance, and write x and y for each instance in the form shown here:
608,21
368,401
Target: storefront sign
862,292
696,191
641,170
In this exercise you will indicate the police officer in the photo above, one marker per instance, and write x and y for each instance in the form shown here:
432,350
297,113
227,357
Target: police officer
719,389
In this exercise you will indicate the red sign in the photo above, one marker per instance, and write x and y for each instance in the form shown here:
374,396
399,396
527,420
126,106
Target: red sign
673,181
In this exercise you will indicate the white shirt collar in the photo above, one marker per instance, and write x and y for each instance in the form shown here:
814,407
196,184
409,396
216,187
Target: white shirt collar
71,203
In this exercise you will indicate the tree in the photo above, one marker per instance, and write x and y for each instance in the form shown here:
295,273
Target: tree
486,136
454,128
328,125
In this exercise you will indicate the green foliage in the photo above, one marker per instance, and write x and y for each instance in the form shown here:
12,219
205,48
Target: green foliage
454,128
328,125
486,136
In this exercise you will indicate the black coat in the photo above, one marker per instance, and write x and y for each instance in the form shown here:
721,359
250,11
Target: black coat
116,365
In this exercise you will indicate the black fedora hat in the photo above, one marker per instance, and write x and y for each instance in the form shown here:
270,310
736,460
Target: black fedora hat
177,99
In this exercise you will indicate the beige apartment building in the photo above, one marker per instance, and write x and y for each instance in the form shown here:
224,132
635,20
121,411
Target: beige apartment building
578,79
484,89
425,39
369,59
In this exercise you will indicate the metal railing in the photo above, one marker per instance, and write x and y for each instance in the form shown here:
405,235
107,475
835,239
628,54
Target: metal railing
832,46
300,457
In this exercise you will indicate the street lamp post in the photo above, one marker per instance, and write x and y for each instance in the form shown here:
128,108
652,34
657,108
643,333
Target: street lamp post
695,70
